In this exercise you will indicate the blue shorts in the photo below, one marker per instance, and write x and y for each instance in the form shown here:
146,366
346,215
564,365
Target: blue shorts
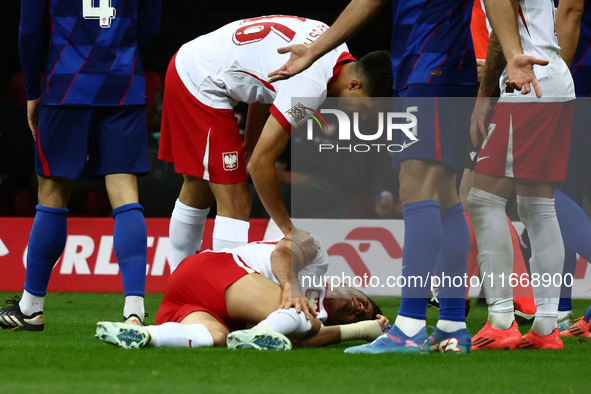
443,123
76,142
578,176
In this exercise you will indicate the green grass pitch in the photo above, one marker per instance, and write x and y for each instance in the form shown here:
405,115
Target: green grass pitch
66,358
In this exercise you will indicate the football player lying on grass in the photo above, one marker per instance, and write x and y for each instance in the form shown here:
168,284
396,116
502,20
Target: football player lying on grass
211,294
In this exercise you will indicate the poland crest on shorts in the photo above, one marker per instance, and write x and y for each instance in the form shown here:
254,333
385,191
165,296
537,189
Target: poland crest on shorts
230,160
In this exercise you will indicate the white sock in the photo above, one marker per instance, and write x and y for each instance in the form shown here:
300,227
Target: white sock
134,305
185,232
409,326
229,233
179,335
30,303
495,254
450,326
538,214
546,319
287,322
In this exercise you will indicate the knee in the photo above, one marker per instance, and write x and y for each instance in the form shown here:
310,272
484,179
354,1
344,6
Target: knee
480,201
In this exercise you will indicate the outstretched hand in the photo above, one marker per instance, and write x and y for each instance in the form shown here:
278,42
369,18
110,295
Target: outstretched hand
300,59
520,71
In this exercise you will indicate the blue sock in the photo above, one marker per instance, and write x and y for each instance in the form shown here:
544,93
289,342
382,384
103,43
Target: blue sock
452,262
570,263
588,315
131,247
46,243
422,241
575,225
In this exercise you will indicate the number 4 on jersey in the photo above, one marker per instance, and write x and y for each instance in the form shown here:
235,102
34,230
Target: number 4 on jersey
104,13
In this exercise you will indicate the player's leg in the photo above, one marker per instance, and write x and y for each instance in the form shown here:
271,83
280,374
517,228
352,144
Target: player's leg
129,242
120,153
60,157
233,209
486,203
575,227
451,333
537,211
46,243
255,299
188,219
198,329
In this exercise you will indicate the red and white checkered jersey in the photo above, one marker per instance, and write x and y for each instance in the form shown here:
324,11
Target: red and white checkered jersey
231,65
256,256
538,38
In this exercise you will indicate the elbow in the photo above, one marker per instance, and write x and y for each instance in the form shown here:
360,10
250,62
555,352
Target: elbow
573,13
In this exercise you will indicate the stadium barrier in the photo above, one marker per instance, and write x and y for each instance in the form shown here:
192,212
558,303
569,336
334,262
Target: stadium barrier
370,249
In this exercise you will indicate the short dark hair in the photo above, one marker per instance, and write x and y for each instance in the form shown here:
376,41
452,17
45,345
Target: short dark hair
375,70
376,309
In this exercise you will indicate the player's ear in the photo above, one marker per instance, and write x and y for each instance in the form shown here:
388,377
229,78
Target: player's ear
355,84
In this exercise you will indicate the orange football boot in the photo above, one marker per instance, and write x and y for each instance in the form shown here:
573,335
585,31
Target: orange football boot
533,340
579,329
492,338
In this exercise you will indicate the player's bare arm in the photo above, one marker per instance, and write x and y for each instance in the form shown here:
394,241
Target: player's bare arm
502,15
367,330
351,21
261,167
271,143
286,261
256,117
494,66
568,27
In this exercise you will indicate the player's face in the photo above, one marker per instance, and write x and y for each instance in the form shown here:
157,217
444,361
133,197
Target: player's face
348,305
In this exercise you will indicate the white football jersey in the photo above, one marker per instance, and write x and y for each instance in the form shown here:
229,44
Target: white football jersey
538,38
231,65
256,257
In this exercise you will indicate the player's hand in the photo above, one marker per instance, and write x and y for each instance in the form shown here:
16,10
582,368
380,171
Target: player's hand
480,65
303,240
477,122
300,59
520,71
383,321
33,115
295,298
